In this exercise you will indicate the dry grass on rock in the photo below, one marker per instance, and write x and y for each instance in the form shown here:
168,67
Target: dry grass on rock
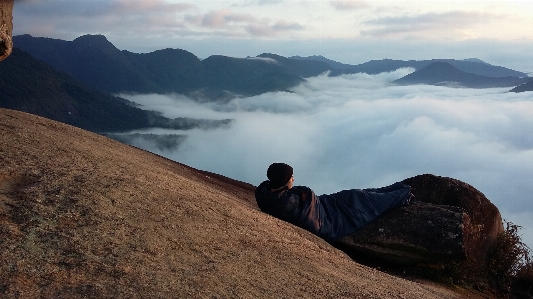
83,216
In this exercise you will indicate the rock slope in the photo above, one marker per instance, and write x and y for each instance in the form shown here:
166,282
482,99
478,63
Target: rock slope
6,28
83,216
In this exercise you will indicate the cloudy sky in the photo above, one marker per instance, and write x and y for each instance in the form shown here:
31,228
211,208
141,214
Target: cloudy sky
349,31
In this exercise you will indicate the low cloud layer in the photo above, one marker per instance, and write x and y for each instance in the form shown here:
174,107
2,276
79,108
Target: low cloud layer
356,131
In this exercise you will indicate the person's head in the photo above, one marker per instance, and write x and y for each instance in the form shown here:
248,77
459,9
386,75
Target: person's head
280,175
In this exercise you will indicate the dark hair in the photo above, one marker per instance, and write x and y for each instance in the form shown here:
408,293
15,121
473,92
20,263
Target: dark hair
279,174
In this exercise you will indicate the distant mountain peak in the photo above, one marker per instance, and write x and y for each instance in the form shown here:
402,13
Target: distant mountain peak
312,57
528,86
475,60
441,65
95,40
332,63
442,73
275,57
92,38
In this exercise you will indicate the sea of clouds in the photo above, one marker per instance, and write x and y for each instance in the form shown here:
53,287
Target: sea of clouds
358,131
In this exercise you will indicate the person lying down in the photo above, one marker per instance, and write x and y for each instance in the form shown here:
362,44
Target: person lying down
329,216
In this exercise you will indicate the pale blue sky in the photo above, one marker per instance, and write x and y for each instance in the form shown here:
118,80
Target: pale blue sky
350,31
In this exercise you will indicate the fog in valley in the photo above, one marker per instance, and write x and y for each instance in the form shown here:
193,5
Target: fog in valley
358,131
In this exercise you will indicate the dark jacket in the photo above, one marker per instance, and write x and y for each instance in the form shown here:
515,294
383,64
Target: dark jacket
330,216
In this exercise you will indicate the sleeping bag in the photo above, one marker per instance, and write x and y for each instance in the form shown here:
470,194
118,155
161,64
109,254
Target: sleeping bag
330,216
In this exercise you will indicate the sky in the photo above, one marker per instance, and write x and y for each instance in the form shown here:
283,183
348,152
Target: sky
348,31
357,131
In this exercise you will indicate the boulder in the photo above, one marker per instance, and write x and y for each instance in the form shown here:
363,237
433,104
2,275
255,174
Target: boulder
450,223
418,233
485,219
6,28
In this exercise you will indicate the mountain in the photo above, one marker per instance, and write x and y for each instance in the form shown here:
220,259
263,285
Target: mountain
332,63
443,73
83,216
238,76
30,85
94,61
528,86
301,68
474,60
479,67
472,65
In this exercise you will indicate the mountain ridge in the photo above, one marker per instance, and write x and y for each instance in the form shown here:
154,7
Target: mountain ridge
30,85
527,86
445,74
102,69
467,65
334,64
94,61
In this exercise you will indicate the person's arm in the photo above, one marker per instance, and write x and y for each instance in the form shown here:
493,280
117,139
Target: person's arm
304,196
